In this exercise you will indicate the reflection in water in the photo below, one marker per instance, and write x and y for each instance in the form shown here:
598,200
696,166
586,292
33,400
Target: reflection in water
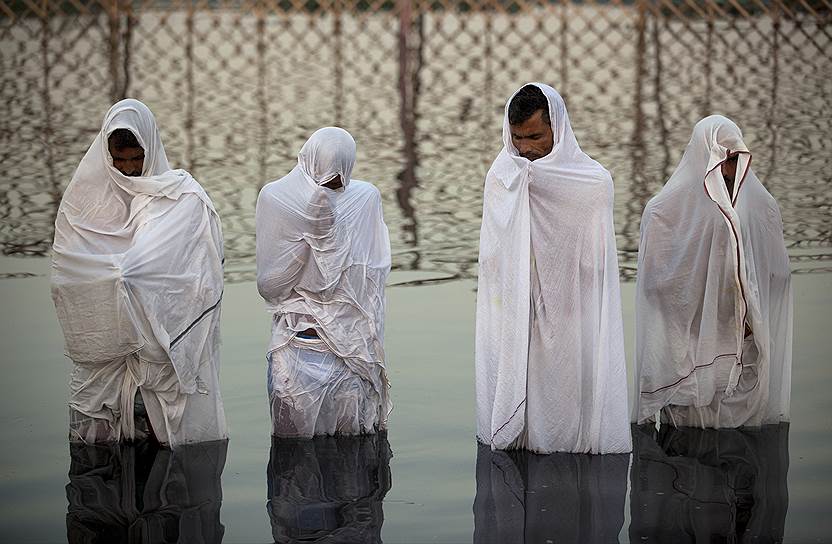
562,497
141,493
422,86
328,489
706,485
411,40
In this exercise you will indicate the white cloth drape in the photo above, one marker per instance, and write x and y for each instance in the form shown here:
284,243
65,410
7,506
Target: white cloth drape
549,342
137,280
323,257
713,306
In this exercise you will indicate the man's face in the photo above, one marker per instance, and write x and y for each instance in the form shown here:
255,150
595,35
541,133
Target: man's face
128,160
533,138
729,167
334,183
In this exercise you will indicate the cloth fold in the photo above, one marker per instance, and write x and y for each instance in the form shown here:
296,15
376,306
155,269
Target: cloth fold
713,293
323,257
137,279
550,371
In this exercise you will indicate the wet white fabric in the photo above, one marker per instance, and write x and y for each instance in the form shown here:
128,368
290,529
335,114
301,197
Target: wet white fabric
137,280
323,257
313,392
713,267
549,342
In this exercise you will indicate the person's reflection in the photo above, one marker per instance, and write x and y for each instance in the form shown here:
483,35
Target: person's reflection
707,485
141,493
562,497
328,489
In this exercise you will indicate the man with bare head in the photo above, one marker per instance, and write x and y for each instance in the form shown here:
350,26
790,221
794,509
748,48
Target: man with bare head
549,342
126,151
530,125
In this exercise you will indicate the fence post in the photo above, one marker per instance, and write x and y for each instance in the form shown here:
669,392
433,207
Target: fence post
113,13
408,89
189,87
771,121
262,90
129,20
339,63
640,182
46,130
405,16
709,46
563,86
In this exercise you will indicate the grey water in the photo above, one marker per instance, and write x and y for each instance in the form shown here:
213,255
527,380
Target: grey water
236,93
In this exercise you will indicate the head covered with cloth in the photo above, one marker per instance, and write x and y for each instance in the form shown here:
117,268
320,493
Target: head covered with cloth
137,280
713,302
549,347
323,255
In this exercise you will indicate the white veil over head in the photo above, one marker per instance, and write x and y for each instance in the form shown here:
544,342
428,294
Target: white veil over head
549,336
713,302
137,273
329,152
101,192
323,257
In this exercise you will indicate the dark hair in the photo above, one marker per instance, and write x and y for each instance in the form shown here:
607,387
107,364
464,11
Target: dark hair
121,138
526,103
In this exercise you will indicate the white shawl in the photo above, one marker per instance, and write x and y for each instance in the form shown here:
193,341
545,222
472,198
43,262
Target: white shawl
549,343
137,266
323,257
709,264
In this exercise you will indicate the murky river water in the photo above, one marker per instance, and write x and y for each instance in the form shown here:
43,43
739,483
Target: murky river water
237,93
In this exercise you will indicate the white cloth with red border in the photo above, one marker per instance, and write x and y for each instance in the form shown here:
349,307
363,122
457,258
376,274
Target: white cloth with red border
713,302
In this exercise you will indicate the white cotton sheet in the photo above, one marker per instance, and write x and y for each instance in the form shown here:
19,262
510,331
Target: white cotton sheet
137,280
550,370
323,257
312,392
713,267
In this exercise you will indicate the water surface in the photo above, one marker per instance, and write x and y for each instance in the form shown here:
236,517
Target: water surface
236,93
433,472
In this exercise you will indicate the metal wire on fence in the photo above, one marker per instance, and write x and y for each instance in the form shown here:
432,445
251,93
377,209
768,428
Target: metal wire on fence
238,85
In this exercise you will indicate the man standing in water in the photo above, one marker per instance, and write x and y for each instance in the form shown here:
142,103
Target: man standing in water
323,255
137,279
549,342
713,296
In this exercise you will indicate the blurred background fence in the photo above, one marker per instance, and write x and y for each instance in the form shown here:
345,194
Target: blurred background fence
238,86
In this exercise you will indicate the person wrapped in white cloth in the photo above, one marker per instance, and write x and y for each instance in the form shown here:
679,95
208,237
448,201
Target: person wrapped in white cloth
550,369
137,279
323,256
713,294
